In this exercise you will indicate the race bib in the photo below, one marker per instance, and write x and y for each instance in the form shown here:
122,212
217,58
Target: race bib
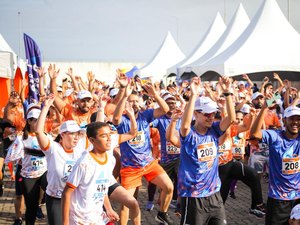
206,152
36,163
225,146
101,189
171,149
290,165
263,147
68,168
238,150
139,139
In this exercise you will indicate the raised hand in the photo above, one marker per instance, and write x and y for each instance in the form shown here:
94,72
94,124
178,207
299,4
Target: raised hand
90,76
41,71
195,86
177,114
129,89
149,88
70,72
122,78
225,84
53,73
129,110
49,100
245,77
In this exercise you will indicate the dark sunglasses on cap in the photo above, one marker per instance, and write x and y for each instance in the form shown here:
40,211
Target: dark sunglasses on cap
207,115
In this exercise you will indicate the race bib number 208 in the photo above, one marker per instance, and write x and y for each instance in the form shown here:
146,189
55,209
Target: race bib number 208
290,165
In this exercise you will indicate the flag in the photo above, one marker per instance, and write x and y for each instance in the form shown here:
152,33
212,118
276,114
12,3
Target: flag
34,60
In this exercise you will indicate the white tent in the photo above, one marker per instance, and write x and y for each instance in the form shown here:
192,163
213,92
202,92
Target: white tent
7,59
213,33
269,43
235,28
167,56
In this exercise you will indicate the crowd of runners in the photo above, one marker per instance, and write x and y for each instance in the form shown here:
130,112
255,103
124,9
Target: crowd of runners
85,145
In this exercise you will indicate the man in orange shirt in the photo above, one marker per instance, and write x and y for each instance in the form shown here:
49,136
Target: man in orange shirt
259,152
82,111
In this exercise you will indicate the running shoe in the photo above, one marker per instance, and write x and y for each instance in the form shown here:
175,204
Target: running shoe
39,214
1,190
18,221
232,195
173,204
257,213
164,218
150,206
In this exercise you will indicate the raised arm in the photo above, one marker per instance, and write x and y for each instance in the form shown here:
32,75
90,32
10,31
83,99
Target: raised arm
246,77
73,78
255,131
281,84
117,118
163,106
41,136
133,125
53,73
41,72
227,92
171,132
195,86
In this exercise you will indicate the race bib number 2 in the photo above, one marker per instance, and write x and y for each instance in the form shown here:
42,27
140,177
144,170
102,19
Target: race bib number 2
68,168
290,165
206,152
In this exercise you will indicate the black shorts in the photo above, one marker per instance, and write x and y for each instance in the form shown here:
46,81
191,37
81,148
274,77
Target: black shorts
18,181
2,155
171,168
112,188
278,211
205,210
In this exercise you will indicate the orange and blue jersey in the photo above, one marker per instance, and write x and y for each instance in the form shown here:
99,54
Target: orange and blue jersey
284,165
137,151
198,174
168,152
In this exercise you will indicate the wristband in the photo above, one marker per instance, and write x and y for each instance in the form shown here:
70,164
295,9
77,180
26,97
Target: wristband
227,94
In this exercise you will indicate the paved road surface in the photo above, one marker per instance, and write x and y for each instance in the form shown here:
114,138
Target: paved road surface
236,210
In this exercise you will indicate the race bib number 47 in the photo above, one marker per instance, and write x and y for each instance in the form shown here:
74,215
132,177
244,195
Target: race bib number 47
290,165
206,152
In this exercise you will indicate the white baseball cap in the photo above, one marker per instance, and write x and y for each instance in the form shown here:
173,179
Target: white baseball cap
295,214
241,83
242,95
34,113
255,95
291,111
84,94
168,96
113,92
245,109
69,126
206,105
68,92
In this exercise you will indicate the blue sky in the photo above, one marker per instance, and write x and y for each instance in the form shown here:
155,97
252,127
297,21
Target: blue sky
116,30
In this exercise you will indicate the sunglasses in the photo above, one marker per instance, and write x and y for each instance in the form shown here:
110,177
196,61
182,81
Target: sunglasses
207,115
